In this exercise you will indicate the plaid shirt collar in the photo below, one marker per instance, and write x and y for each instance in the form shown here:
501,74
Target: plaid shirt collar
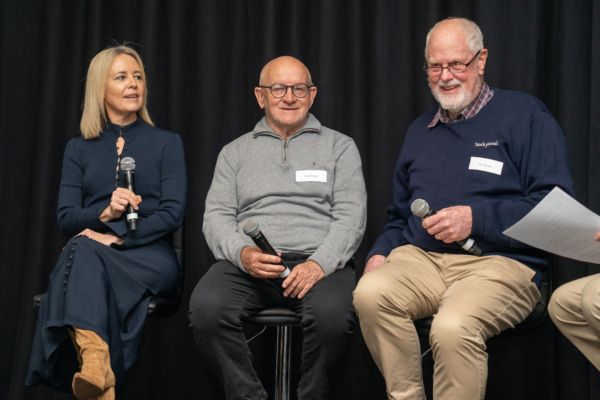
485,95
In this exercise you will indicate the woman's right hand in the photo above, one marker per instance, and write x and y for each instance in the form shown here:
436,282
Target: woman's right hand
101,237
119,201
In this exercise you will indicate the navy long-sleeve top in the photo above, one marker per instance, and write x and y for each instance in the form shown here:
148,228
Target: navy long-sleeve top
514,129
89,176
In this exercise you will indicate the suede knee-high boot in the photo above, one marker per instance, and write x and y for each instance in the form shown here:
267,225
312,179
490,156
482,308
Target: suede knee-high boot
108,394
96,375
77,348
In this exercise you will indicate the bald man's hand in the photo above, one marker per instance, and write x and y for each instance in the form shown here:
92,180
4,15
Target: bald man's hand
450,224
597,237
302,278
261,265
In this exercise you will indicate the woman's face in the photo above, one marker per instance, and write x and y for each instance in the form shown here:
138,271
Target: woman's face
124,95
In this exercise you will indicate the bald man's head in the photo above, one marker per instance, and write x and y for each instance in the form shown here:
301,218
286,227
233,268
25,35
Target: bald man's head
287,110
284,62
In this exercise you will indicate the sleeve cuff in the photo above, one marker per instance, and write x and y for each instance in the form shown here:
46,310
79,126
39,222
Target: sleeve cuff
118,226
328,262
92,218
237,255
378,250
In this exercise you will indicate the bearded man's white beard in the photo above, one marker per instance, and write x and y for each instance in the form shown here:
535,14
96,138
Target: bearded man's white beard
453,103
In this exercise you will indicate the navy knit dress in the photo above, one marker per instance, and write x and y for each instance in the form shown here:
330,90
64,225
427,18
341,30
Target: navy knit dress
102,288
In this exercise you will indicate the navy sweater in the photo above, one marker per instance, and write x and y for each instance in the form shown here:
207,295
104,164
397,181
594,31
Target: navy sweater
513,128
89,177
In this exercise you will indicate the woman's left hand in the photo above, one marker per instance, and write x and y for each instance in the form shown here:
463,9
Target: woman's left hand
101,237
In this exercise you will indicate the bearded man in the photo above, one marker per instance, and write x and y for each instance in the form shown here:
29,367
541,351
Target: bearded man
483,159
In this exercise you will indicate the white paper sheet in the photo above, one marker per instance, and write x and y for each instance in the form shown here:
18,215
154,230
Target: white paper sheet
560,225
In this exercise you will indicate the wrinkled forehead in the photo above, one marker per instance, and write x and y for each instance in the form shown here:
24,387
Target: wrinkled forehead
447,43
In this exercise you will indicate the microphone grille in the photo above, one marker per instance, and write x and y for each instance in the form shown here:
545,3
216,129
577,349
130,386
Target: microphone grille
419,207
127,164
251,228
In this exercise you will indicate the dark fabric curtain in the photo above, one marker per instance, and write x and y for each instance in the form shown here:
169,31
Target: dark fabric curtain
203,59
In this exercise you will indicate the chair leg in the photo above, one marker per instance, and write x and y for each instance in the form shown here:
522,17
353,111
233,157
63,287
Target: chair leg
283,363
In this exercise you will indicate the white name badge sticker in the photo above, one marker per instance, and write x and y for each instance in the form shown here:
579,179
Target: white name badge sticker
311,176
486,165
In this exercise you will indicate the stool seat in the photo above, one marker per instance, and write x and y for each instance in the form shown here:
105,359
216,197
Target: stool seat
275,316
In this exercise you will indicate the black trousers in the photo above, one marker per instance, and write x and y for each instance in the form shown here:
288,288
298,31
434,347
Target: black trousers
226,296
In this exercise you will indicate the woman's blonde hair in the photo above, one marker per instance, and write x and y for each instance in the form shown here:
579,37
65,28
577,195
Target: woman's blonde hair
94,117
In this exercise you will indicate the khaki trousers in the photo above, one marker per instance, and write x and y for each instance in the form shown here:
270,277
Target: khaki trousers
575,309
472,299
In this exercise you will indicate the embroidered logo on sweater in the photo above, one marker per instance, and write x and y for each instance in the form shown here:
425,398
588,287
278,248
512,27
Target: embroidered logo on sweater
484,144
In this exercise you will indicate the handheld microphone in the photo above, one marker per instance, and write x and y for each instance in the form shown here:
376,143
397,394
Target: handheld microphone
251,229
127,166
421,209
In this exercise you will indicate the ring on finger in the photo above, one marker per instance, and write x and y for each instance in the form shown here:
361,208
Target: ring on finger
439,237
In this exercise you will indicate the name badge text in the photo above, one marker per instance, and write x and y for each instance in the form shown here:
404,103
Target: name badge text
486,165
311,176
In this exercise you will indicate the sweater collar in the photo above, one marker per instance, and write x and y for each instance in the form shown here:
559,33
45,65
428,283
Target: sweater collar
129,130
312,124
485,95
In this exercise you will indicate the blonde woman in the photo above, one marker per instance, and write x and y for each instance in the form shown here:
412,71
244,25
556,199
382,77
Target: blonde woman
98,291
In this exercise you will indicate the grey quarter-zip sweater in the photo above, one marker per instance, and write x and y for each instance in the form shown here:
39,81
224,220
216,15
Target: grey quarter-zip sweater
307,193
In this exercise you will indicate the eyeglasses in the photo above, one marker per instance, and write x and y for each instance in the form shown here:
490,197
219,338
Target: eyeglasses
279,90
454,67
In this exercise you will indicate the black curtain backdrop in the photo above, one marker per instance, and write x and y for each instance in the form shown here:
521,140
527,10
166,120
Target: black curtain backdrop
203,59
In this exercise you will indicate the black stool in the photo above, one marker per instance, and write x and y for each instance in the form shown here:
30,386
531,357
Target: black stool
284,319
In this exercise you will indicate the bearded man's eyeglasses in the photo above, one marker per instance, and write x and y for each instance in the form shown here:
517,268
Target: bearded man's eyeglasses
454,67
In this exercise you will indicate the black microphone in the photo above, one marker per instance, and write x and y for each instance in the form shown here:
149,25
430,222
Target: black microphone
127,166
421,209
251,229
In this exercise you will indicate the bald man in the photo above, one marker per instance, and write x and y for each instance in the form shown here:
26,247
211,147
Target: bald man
303,184
482,158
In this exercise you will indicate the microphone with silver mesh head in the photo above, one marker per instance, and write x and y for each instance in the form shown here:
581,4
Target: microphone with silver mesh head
252,229
421,209
127,166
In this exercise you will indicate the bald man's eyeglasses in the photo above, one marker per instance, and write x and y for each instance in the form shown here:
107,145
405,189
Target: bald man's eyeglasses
279,90
454,67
